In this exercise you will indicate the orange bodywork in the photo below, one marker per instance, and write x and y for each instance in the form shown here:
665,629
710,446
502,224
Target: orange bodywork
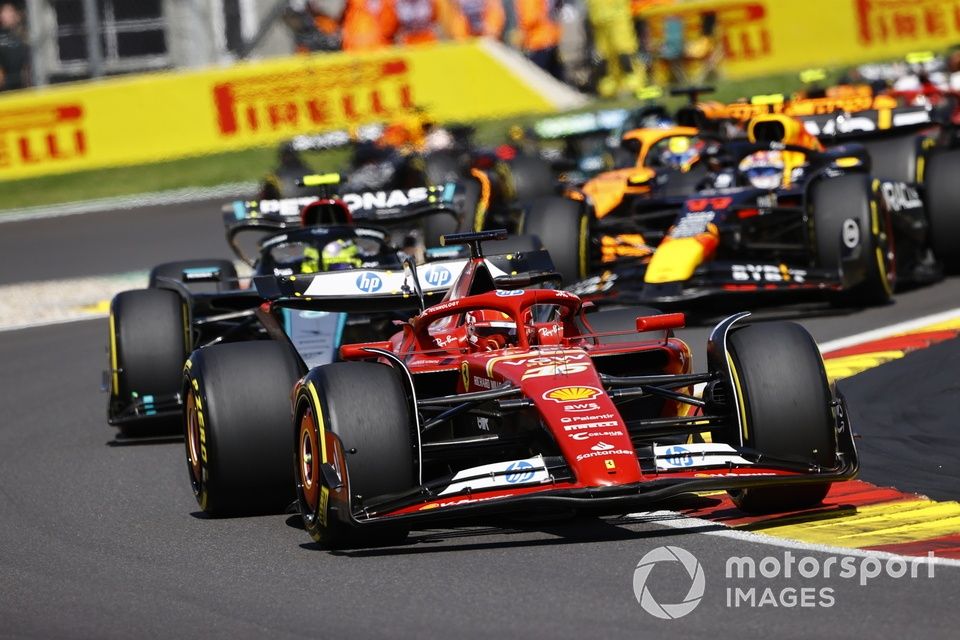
607,189
850,101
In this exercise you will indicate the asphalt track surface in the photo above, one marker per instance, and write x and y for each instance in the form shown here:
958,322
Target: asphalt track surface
100,538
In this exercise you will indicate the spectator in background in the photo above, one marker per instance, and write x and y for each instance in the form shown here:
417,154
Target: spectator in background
327,15
673,48
418,21
14,52
315,24
539,33
368,24
641,27
616,42
472,18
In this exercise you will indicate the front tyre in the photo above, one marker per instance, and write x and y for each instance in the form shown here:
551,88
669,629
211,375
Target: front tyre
943,207
354,416
237,426
785,407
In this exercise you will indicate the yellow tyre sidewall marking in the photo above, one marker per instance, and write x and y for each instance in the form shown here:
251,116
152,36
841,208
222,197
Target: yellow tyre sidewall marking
740,399
583,243
114,371
323,502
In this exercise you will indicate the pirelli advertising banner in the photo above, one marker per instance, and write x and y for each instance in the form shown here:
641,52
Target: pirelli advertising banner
160,116
759,37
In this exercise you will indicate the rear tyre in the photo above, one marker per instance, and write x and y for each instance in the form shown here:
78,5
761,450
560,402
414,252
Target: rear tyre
150,339
354,416
174,271
893,158
470,217
847,220
785,401
943,207
237,426
532,178
437,225
513,244
563,227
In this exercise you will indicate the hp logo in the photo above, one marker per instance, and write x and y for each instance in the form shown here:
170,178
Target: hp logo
678,457
520,471
369,282
437,276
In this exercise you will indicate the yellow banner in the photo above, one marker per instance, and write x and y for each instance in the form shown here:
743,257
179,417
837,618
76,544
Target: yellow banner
161,116
759,37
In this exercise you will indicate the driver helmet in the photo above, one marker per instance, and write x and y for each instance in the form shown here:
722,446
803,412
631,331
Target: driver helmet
490,330
340,255
764,169
680,154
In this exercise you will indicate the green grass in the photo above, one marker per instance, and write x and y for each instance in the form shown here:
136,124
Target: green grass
252,164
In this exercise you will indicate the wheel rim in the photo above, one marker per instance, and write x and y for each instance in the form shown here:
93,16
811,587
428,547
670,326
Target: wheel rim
194,444
889,257
308,464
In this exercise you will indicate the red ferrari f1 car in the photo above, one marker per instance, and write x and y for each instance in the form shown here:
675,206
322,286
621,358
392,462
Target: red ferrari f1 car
507,397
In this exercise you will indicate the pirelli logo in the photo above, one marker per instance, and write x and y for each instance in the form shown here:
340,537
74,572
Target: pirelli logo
37,135
306,99
885,22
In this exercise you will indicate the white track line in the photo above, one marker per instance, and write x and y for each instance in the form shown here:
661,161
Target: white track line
889,330
119,203
676,520
36,304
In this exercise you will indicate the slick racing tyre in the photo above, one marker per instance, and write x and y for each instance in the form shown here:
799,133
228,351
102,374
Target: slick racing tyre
512,244
237,426
610,320
437,225
354,416
149,340
942,181
564,229
471,217
894,158
847,219
785,402
532,178
174,271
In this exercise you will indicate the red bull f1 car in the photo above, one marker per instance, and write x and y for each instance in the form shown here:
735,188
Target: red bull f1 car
776,212
505,398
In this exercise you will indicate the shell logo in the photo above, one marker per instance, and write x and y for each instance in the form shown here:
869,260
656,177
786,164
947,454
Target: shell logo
571,394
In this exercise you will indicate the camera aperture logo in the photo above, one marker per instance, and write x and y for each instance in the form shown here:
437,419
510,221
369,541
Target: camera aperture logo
771,581
661,555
